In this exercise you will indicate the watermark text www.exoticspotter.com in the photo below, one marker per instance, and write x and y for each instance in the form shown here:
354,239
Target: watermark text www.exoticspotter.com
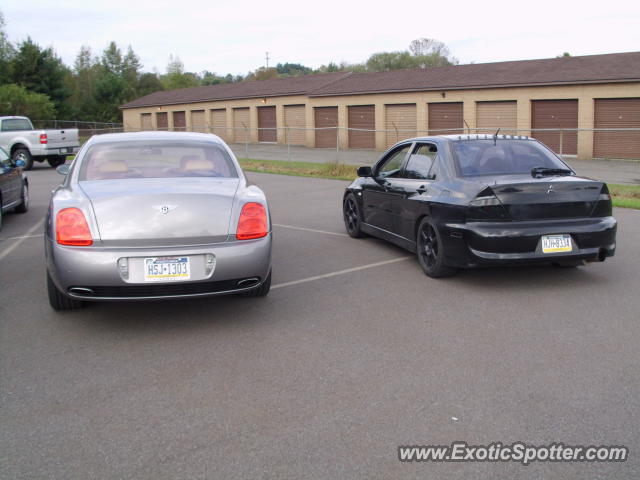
516,452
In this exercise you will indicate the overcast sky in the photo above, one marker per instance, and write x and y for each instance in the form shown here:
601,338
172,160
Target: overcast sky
232,36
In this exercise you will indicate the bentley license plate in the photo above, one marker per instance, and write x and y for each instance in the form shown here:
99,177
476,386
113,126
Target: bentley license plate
556,243
166,269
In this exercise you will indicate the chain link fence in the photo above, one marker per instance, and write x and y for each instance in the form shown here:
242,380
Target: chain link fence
297,143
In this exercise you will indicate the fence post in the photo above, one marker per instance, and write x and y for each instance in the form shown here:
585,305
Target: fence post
246,141
286,134
561,138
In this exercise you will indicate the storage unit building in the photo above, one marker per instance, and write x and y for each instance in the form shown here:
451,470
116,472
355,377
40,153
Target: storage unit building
241,125
219,122
198,123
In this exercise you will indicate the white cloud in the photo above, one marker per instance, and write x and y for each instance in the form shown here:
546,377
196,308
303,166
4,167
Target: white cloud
232,36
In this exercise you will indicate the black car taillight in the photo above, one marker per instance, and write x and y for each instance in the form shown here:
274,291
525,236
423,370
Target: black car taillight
603,207
486,206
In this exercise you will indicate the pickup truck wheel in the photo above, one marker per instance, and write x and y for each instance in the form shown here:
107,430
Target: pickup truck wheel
24,206
24,155
58,301
55,162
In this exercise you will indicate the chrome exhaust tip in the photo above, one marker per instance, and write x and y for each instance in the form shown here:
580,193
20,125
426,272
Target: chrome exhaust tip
81,291
248,282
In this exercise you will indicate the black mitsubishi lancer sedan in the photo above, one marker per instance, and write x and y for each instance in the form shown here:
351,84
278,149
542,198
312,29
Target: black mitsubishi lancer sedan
462,201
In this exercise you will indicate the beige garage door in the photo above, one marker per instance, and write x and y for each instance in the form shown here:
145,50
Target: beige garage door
400,122
294,119
197,121
240,124
145,121
219,122
445,118
491,116
362,118
617,113
556,115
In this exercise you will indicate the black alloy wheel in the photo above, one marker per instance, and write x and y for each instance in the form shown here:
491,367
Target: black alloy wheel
352,218
431,251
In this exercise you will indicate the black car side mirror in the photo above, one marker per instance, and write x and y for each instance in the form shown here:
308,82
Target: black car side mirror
364,172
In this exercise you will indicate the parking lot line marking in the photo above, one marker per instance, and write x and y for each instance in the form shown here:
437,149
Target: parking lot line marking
18,241
304,229
22,236
339,272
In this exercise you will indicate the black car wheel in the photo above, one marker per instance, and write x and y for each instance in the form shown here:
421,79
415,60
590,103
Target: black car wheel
24,206
24,155
431,252
352,217
262,290
58,301
56,161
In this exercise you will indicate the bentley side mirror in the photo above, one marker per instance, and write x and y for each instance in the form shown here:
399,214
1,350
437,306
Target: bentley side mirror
63,169
364,172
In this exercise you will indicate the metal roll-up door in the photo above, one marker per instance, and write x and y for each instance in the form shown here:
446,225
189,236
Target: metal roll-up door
556,115
491,116
241,125
179,121
197,121
219,122
145,121
294,120
363,119
326,119
617,113
267,124
400,122
445,118
162,120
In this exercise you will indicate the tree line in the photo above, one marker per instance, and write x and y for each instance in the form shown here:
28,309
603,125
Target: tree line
34,81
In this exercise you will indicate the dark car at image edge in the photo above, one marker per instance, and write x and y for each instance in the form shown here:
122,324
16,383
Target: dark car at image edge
464,201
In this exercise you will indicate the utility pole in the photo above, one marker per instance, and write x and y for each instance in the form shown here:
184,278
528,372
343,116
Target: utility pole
267,58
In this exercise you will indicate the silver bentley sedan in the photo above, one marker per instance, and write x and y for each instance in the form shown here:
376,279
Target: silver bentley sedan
155,215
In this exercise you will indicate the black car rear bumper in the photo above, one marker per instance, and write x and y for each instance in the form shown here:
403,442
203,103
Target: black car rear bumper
482,243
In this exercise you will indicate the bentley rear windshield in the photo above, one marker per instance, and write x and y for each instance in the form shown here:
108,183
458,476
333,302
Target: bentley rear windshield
505,157
156,159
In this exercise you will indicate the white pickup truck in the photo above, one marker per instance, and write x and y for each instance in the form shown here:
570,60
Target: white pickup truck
23,142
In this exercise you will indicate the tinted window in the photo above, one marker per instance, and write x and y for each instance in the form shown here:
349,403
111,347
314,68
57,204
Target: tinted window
3,155
503,157
393,163
420,161
156,159
15,124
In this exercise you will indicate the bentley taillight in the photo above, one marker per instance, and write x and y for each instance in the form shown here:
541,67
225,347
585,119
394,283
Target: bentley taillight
252,222
72,228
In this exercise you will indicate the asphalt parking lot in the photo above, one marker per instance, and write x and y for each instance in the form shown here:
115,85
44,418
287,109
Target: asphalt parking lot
352,354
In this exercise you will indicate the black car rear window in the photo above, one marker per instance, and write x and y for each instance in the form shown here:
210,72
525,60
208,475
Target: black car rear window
502,157
156,159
